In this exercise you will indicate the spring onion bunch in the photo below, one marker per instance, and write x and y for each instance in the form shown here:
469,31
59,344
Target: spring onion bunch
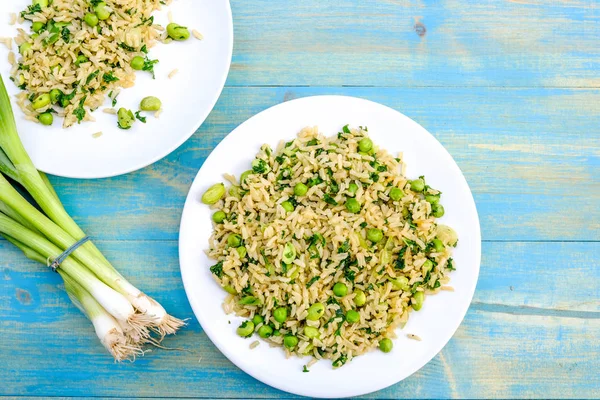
125,319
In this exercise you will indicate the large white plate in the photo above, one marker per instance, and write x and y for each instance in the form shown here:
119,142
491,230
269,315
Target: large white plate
187,99
441,314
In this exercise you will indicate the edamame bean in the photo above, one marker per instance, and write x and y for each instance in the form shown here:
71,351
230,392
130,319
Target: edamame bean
287,206
235,191
150,103
178,32
55,95
245,329
432,199
37,26
374,235
438,211
427,266
438,245
241,251
290,341
125,118
340,289
265,331
353,188
311,332
417,185
360,298
365,145
352,316
257,319
234,240
400,283
280,314
300,189
213,194
219,216
249,301
41,3
315,312
417,300
386,345
24,47
80,60
229,289
91,19
102,11
46,118
396,194
41,101
352,205
137,63
289,253
244,176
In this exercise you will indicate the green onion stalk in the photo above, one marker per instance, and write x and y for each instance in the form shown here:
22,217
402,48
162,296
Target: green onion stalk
55,226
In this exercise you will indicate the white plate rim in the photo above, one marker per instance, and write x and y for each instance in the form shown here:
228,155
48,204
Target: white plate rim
265,378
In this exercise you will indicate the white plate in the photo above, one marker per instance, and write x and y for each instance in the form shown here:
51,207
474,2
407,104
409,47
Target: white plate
187,99
441,314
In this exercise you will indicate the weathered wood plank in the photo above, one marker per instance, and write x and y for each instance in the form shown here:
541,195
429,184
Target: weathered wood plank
514,343
406,43
531,157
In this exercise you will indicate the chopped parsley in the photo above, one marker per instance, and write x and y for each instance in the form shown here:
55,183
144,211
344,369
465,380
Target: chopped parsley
126,47
313,280
217,269
79,112
109,77
149,66
92,76
139,117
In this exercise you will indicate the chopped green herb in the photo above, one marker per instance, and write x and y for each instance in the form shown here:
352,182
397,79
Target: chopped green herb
313,280
139,117
217,269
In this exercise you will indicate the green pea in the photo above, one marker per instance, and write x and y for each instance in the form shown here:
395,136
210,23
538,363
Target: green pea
234,240
241,251
55,95
360,298
438,245
438,211
24,47
352,316
352,205
91,19
246,329
427,267
311,332
386,345
257,319
125,118
400,283
315,312
289,253
102,11
46,118
213,194
374,235
265,331
150,103
244,176
219,216
80,60
37,26
340,289
287,206
229,289
137,63
417,300
280,314
353,188
290,341
432,199
396,194
41,101
300,189
178,32
365,145
417,185
41,3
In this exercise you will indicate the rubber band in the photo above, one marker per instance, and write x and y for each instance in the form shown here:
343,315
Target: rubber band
59,260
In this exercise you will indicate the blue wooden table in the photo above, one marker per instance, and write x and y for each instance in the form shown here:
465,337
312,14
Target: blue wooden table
511,88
